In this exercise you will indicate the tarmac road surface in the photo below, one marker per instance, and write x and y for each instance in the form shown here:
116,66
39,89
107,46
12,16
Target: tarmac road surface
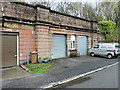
61,69
107,78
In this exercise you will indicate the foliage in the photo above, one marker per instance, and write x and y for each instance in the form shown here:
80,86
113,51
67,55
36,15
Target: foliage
77,9
20,0
40,58
64,7
119,21
98,11
45,60
38,68
108,30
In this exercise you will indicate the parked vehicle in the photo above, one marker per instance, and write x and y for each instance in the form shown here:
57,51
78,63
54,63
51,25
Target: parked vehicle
106,49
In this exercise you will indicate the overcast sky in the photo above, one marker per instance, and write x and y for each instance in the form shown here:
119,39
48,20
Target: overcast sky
83,1
93,2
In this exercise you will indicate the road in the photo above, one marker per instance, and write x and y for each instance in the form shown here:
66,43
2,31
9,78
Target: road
60,69
107,78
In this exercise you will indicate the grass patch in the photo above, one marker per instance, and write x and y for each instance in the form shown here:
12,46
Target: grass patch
38,68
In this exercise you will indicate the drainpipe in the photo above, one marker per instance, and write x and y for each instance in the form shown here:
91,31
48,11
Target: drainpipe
2,15
92,34
35,29
27,51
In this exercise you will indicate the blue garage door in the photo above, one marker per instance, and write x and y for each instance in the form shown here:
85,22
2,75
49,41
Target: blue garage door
58,48
82,45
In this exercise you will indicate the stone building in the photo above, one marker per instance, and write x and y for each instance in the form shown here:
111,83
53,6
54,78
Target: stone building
26,28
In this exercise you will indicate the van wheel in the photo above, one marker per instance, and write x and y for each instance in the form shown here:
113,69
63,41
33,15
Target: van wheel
92,54
115,56
109,56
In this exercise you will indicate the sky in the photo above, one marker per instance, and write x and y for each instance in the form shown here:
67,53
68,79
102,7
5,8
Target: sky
55,1
83,1
93,2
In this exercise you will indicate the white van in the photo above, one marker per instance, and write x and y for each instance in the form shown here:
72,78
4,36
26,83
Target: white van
105,49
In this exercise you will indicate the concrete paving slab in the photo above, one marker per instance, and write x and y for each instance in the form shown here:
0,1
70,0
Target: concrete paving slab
13,73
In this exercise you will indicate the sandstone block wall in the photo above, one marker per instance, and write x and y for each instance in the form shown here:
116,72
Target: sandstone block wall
44,39
26,33
37,24
40,13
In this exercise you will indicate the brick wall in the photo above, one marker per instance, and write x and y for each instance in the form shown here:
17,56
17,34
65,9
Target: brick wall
44,39
26,42
18,10
40,36
97,38
25,34
1,14
40,13
89,42
41,39
68,42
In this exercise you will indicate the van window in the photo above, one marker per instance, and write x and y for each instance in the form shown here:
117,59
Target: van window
96,46
117,46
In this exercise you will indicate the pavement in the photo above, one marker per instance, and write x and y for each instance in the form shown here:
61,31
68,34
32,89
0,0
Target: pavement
61,69
13,73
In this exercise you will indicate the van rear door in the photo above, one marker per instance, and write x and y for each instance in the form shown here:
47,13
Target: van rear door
117,47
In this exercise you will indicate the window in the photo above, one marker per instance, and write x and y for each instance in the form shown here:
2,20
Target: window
117,46
96,46
72,41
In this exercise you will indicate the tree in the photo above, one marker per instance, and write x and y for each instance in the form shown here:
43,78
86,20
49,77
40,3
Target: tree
88,12
116,15
108,30
119,21
77,9
64,7
47,3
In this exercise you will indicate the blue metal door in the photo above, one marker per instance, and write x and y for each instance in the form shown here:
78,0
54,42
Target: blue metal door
82,45
58,48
